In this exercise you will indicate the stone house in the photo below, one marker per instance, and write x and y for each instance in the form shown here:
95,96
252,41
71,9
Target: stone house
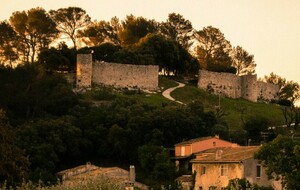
184,151
88,172
215,167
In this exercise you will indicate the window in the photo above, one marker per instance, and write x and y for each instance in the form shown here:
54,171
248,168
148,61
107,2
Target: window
224,170
214,143
203,170
258,171
182,151
200,188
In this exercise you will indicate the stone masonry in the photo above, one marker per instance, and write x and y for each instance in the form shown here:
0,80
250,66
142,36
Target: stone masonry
234,86
114,74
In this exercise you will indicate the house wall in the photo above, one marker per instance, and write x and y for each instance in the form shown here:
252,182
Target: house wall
212,176
187,150
234,86
210,143
250,173
118,75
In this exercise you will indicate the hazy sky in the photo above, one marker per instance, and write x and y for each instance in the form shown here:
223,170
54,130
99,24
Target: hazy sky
268,29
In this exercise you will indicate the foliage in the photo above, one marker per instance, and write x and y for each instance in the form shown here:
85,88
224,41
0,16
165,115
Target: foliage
156,49
47,142
133,28
8,43
13,162
27,92
288,90
103,52
244,184
254,126
243,61
281,159
99,32
35,30
58,59
213,50
100,182
178,29
69,21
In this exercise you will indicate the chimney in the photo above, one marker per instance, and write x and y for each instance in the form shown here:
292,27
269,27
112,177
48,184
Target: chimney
217,136
87,166
132,174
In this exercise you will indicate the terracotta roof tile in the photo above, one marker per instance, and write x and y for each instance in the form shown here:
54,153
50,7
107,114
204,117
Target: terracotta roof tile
194,140
226,154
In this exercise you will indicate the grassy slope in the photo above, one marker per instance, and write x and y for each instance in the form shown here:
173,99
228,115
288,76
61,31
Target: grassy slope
232,107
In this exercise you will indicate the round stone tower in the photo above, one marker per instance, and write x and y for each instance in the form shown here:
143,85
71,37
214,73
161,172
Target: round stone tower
249,87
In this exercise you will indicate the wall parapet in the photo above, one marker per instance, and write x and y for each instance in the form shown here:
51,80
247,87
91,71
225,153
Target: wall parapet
234,86
115,74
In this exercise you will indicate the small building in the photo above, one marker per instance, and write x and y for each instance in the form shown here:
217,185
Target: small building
184,151
215,167
88,172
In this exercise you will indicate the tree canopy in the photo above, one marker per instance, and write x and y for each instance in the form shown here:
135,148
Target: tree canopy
281,158
243,61
213,50
69,21
13,162
35,30
288,90
134,28
179,29
8,43
100,32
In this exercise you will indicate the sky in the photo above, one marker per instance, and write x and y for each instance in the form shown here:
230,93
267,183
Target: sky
267,29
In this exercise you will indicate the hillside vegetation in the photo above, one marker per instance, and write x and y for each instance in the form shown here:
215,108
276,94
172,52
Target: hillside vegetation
234,111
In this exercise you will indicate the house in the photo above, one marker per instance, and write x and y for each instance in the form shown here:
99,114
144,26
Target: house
215,167
184,151
88,172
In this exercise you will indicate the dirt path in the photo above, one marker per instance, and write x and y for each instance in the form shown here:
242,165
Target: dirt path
167,92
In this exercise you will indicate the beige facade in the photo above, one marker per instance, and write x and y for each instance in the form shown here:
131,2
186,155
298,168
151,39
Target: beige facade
215,167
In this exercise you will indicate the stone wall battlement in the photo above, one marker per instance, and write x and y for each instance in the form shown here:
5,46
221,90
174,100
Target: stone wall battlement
115,74
234,86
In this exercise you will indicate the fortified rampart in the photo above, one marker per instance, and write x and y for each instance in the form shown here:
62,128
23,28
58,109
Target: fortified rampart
118,75
234,86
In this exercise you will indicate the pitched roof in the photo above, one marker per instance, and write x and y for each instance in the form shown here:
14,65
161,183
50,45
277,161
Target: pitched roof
194,140
226,154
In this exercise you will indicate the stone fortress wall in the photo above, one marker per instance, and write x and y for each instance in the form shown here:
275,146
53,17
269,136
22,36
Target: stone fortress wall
118,75
234,86
146,77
